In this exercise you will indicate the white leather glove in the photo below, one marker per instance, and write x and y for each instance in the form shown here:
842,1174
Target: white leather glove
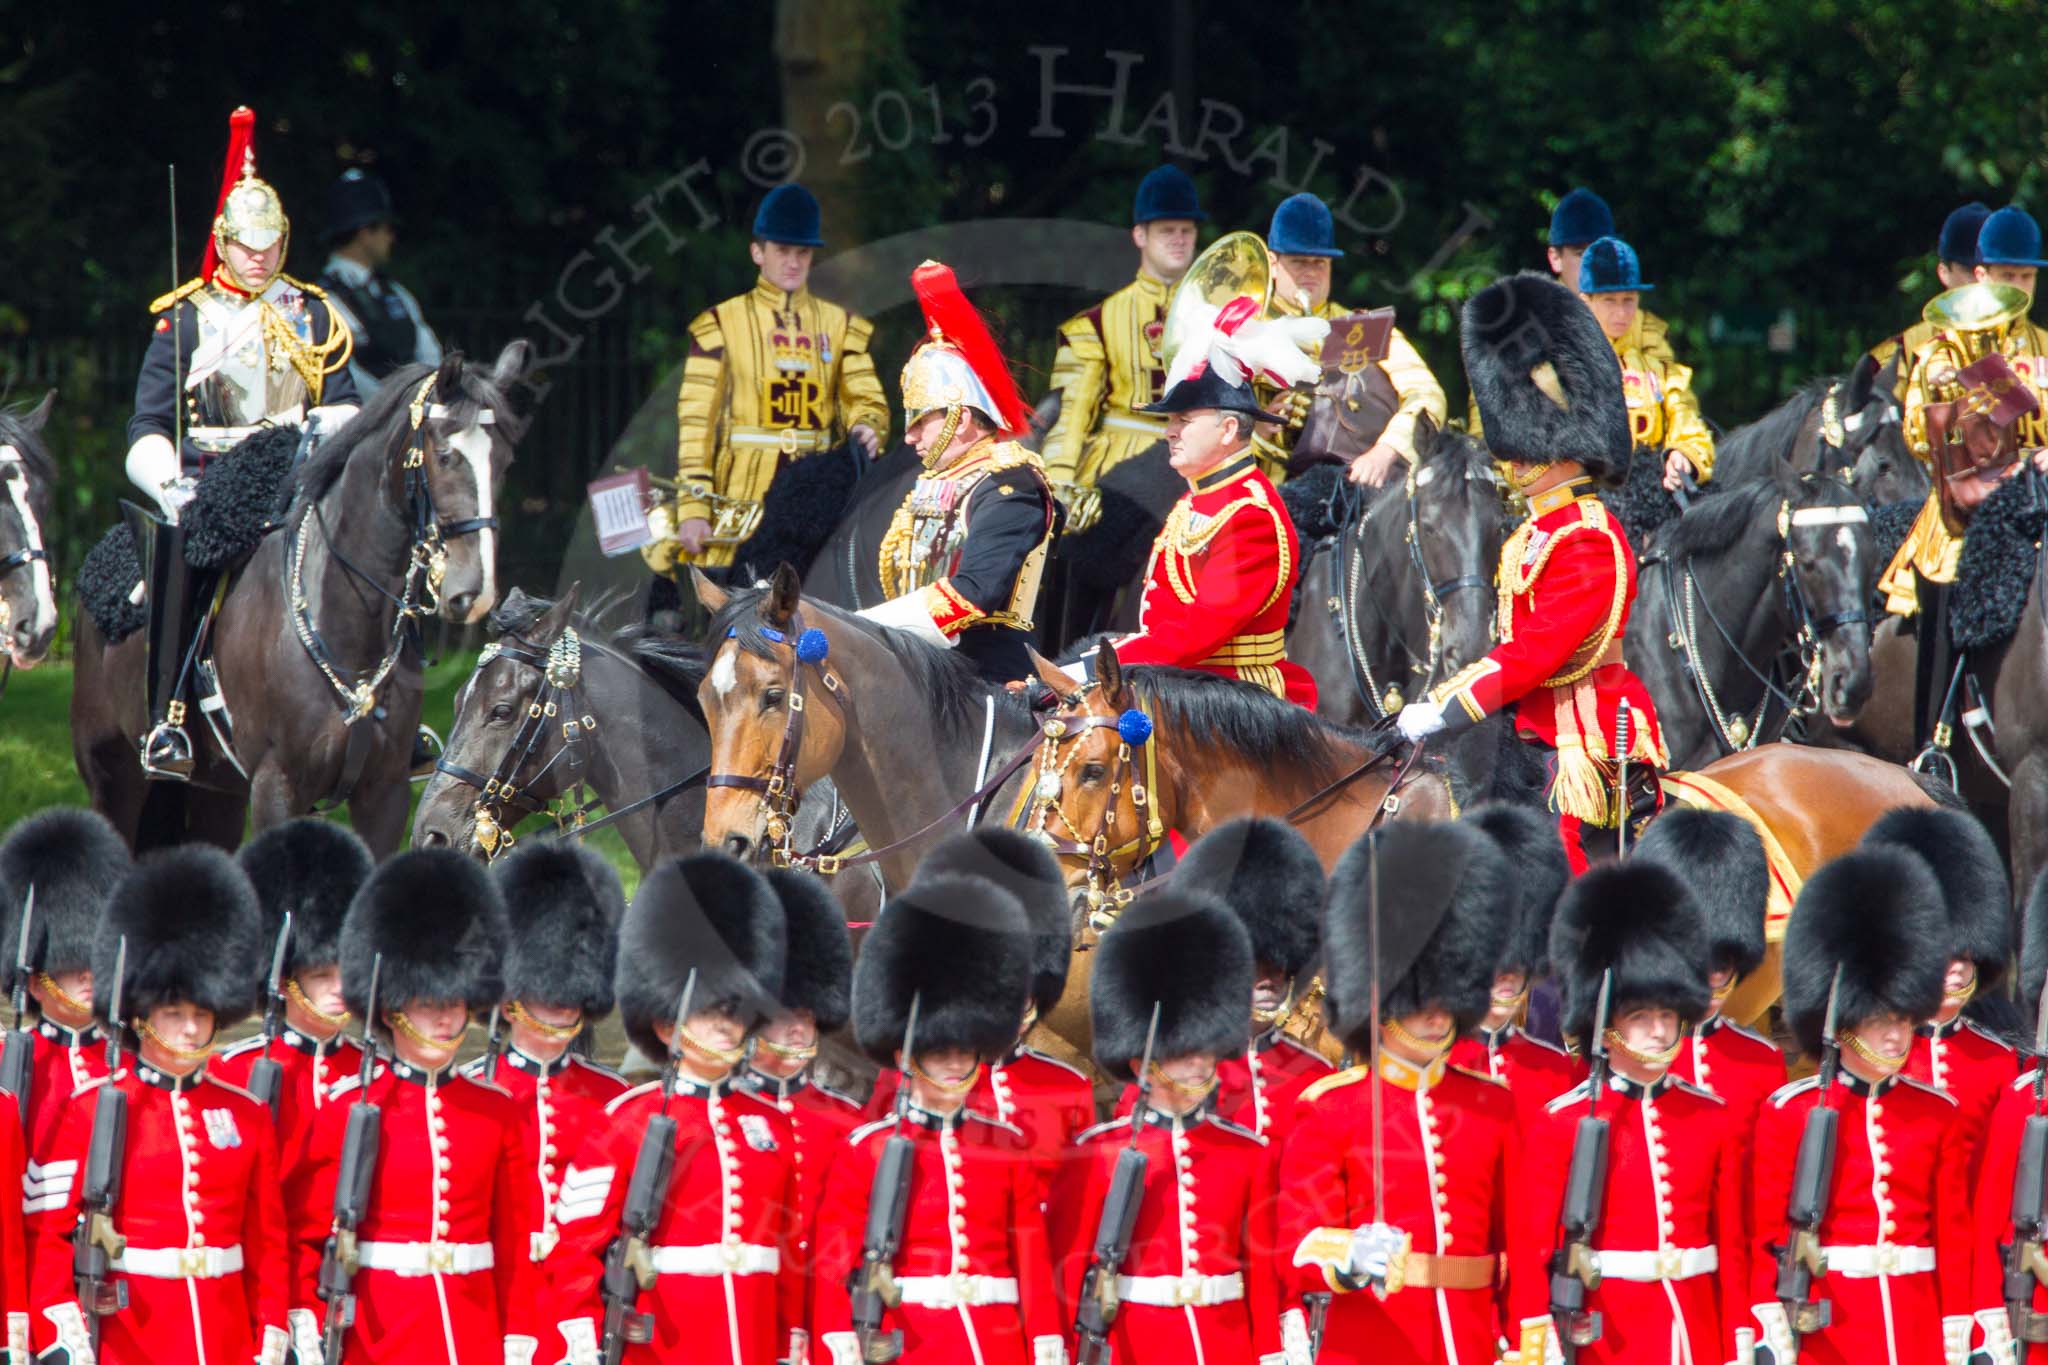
304,1327
331,418
1048,1351
799,1346
1419,720
580,1335
908,613
520,1350
69,1320
1538,1344
1294,1338
844,1346
275,1343
1997,1346
154,468
1774,1335
18,1352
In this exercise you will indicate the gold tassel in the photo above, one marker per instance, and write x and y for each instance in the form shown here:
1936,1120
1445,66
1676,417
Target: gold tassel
1581,786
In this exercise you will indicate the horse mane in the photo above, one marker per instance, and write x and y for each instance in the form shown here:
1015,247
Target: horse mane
1458,452
375,421
1719,517
1258,725
1745,452
14,432
668,661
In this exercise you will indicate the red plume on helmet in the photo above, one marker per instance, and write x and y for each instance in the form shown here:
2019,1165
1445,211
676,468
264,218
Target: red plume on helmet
953,320
241,159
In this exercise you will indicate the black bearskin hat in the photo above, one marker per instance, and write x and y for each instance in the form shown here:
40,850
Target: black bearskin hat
1269,876
1974,885
195,934
1027,869
438,922
1720,858
1874,911
818,971
1638,919
960,946
72,859
1445,893
310,869
1544,378
563,903
1192,956
1529,839
707,913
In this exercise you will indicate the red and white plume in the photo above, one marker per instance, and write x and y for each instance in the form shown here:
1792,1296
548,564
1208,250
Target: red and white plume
952,320
1239,344
241,161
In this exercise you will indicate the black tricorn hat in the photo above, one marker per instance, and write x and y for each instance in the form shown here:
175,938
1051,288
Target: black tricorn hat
437,920
194,932
1874,912
1636,919
818,975
1529,839
1211,390
72,859
707,913
1445,896
310,869
1974,886
1720,858
961,948
563,904
1271,879
1189,954
1544,377
1027,869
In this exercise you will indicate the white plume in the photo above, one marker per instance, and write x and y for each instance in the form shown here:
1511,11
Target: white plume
1267,347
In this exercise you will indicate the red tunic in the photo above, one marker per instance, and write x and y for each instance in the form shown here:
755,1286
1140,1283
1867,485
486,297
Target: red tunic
559,1102
730,1284
207,1275
1258,1090
1042,1097
974,1266
1673,1208
1197,1283
1993,1204
14,1256
1971,1065
1535,1072
1745,1069
64,1060
1219,583
1899,1197
1452,1154
820,1118
445,1274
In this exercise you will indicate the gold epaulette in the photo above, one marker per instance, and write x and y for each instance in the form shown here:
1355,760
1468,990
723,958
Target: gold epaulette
1336,1081
304,287
191,286
1476,1075
1010,454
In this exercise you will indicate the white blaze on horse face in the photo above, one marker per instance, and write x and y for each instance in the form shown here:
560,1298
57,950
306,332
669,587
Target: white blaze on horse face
725,671
32,531
473,443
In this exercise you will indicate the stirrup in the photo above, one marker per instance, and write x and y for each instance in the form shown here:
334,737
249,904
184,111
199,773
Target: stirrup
166,753
427,748
1935,761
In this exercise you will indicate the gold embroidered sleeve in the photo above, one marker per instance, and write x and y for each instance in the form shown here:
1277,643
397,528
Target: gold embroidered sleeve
1080,375
1421,396
861,400
1685,430
699,404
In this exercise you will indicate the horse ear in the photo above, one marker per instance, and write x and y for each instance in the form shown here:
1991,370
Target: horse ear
39,416
785,591
712,597
1050,673
511,363
1109,675
561,613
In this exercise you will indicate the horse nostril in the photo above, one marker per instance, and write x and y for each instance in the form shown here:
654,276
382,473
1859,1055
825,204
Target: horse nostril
738,844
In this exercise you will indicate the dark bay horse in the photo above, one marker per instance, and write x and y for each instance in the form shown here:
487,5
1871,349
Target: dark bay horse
1781,564
1402,596
368,507
1845,427
28,594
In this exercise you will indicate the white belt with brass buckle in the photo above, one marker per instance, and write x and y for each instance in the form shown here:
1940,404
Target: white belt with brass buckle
1180,1291
1130,421
956,1291
1669,1263
426,1258
788,440
739,1258
1862,1263
179,1263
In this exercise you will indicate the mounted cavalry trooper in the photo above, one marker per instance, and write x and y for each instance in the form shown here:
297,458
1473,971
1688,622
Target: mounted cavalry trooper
1301,244
701,960
202,1271
963,557
1109,365
562,908
381,313
1547,386
241,347
774,375
1663,412
1955,265
1196,1281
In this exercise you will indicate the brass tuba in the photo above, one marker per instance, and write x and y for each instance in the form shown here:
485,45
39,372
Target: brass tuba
1236,265
1970,323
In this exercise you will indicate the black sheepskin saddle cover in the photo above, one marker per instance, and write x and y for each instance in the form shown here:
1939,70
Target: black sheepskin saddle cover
1889,523
225,521
804,505
1319,502
1642,504
2000,551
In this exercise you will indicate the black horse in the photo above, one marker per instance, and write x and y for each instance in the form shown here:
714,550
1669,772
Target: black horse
1845,427
315,637
28,596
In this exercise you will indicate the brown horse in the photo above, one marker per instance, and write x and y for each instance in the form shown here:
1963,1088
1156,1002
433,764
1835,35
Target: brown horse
361,556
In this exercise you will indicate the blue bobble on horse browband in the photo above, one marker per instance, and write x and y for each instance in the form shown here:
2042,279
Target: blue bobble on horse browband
812,646
1135,726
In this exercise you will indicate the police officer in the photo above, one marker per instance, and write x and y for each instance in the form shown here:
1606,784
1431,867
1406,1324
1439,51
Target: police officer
1663,412
204,1270
1108,365
774,375
382,314
1301,244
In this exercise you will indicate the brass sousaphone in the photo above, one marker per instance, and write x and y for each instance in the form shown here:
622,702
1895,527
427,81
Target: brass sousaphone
1236,265
1971,431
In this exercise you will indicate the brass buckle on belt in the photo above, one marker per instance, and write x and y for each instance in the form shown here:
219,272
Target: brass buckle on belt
440,1259
192,1263
786,440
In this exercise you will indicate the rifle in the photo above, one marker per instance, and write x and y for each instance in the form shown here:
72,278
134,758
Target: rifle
1800,1259
1622,719
94,1244
2025,1265
1574,1267
1099,1302
266,1074
339,1261
873,1289
18,1060
494,1046
628,1265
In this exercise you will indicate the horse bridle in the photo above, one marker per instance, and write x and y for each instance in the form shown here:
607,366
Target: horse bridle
1042,802
561,670
778,788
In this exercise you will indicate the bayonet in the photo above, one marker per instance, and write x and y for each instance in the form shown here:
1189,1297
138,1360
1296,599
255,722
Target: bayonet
1144,1101
114,1020
18,1058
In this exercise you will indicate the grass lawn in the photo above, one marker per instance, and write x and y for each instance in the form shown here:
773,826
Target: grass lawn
35,747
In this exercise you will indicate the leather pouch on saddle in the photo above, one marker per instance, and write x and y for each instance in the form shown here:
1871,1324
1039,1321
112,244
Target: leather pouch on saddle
1355,380
1975,438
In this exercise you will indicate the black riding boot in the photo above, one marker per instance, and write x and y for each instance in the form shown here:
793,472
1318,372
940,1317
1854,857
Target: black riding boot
1934,659
166,750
